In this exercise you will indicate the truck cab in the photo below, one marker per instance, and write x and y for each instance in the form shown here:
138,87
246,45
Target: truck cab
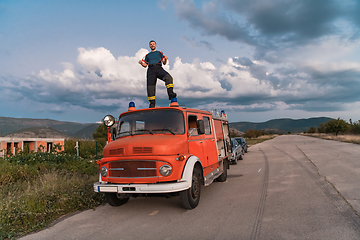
172,151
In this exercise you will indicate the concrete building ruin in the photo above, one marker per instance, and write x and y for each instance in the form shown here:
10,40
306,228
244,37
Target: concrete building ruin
13,145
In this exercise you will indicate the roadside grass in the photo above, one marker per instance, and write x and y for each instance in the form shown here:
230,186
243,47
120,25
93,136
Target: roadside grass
253,141
349,138
37,188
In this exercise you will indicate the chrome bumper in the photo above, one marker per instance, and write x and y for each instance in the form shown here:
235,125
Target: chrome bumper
142,188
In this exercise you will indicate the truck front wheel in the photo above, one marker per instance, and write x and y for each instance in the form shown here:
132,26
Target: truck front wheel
114,201
190,198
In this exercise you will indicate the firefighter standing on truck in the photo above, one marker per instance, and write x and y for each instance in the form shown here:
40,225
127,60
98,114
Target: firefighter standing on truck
154,60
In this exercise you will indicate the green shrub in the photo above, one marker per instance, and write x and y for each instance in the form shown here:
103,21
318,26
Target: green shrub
355,127
312,130
251,133
88,148
44,160
37,188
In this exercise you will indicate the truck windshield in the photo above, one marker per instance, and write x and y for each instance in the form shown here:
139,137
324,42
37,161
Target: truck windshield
163,121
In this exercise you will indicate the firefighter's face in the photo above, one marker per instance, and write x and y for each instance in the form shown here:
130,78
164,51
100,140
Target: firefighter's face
153,46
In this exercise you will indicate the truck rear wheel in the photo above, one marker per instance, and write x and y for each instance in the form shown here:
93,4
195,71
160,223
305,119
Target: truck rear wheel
190,198
223,176
114,201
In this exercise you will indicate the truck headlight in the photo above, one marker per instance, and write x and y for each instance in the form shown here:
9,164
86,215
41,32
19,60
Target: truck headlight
165,170
104,171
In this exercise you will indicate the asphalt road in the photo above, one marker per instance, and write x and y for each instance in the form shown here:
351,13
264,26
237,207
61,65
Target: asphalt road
290,187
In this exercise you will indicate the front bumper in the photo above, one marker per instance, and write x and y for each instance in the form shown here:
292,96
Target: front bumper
143,188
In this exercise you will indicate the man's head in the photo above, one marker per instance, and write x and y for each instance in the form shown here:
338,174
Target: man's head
152,45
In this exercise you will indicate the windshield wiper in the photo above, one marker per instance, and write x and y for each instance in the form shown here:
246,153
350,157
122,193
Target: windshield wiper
144,130
164,129
130,133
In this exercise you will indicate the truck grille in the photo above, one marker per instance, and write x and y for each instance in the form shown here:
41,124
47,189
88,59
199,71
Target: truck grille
133,169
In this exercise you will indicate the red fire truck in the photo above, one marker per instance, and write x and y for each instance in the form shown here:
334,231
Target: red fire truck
170,151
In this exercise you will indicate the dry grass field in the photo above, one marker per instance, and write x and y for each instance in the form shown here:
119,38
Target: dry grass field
253,141
342,138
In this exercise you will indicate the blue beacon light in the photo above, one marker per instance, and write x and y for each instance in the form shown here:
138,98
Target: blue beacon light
131,106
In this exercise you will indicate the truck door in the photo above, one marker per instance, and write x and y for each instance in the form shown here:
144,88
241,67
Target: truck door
210,150
196,141
227,139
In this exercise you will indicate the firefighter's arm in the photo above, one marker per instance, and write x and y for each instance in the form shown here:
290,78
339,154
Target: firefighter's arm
143,63
165,60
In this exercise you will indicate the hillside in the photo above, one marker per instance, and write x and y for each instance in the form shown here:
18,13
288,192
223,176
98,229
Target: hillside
47,127
36,132
73,129
87,132
282,126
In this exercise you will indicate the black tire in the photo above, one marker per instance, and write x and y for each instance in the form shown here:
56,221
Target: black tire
114,201
246,150
223,176
190,198
235,160
241,157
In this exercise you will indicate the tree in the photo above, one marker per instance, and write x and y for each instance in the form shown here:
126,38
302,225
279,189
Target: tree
100,135
336,126
321,128
355,127
251,133
312,130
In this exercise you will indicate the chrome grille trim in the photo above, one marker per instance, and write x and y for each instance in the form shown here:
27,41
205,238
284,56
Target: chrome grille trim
136,168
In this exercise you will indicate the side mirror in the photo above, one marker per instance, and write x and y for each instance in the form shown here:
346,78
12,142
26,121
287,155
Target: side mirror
200,126
113,134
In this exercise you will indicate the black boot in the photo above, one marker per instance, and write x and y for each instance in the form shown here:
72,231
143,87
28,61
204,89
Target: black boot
172,95
151,103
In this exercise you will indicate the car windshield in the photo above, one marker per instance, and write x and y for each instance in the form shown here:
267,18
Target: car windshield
163,121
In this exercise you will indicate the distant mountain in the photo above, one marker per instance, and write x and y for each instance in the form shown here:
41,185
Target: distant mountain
235,132
87,132
282,126
73,129
36,132
52,128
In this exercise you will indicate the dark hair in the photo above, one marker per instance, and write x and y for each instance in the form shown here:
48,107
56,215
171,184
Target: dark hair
152,41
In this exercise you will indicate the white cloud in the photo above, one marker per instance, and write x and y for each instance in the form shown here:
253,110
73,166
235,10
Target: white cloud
101,81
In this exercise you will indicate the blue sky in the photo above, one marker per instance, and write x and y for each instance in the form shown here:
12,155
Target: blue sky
256,59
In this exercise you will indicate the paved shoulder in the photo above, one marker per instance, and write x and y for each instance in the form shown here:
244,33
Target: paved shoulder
338,162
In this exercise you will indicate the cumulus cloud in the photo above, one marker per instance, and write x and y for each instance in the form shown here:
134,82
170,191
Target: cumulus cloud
101,82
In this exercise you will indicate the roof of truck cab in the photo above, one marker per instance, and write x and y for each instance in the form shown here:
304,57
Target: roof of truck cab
182,109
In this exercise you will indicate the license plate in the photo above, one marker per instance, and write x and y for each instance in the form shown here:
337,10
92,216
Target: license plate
107,189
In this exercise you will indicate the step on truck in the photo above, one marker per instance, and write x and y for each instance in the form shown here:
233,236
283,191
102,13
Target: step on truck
168,151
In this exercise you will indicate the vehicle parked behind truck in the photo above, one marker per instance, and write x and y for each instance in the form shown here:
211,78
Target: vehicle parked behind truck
169,151
243,143
237,150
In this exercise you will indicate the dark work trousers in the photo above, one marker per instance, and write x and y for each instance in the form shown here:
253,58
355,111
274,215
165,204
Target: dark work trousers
154,72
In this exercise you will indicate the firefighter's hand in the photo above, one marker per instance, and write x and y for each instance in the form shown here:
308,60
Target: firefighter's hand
142,63
165,60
